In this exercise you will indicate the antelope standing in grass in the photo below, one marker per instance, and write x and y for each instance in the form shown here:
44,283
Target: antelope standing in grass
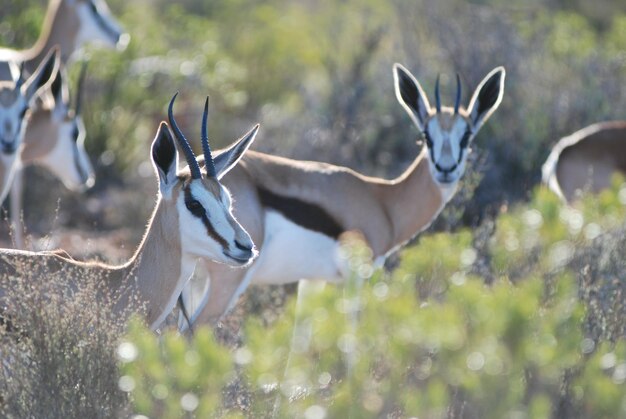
295,210
17,98
192,220
586,160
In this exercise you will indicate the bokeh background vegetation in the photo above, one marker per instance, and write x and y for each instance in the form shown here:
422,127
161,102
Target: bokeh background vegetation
514,309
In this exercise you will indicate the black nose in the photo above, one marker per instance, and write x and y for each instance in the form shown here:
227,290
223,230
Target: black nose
242,247
445,170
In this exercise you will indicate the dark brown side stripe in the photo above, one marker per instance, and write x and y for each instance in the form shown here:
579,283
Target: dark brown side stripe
205,220
306,215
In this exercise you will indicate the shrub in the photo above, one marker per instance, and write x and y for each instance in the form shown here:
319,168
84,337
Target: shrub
57,348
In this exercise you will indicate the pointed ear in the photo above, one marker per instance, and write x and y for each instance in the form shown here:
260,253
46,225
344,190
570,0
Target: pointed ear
487,97
411,95
43,76
165,157
228,158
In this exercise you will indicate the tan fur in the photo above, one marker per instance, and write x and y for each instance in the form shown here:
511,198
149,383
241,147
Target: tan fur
35,144
387,212
150,275
60,27
587,159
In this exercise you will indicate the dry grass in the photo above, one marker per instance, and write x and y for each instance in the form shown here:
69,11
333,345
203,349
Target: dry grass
58,349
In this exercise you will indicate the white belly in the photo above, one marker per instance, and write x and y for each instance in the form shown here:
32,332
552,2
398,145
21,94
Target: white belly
291,253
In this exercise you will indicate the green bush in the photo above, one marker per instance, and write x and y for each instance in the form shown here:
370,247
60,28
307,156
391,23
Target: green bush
433,339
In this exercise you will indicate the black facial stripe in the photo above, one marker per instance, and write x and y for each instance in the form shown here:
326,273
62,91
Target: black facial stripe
205,220
75,133
305,214
79,168
101,22
463,145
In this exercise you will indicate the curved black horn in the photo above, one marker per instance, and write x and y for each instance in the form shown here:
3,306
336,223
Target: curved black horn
208,158
457,101
79,88
437,97
184,144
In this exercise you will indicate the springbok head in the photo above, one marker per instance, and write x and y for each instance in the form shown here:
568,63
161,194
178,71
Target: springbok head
55,137
17,98
208,228
93,22
448,131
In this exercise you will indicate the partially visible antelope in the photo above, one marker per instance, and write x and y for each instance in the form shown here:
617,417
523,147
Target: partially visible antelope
17,98
192,221
586,160
70,24
55,137
54,140
295,210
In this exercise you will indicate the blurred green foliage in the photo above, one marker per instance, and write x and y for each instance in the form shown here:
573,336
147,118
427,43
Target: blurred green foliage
173,376
433,339
536,332
317,76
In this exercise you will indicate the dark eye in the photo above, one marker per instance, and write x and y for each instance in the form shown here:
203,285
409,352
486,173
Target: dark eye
195,207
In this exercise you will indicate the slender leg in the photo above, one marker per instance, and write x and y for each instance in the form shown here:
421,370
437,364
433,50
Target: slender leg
17,224
227,285
195,296
300,337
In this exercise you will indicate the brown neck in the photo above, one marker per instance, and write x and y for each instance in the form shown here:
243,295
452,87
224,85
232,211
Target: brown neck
59,29
411,201
155,269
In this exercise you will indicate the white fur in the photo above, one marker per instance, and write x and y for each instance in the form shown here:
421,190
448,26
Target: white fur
291,251
195,295
310,255
12,163
447,151
64,156
197,242
91,29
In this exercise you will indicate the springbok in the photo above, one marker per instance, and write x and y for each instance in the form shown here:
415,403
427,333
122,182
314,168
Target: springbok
295,210
17,98
55,137
54,140
70,24
586,160
192,220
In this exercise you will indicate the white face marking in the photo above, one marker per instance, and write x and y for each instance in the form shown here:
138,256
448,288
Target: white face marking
68,159
195,237
96,24
446,157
